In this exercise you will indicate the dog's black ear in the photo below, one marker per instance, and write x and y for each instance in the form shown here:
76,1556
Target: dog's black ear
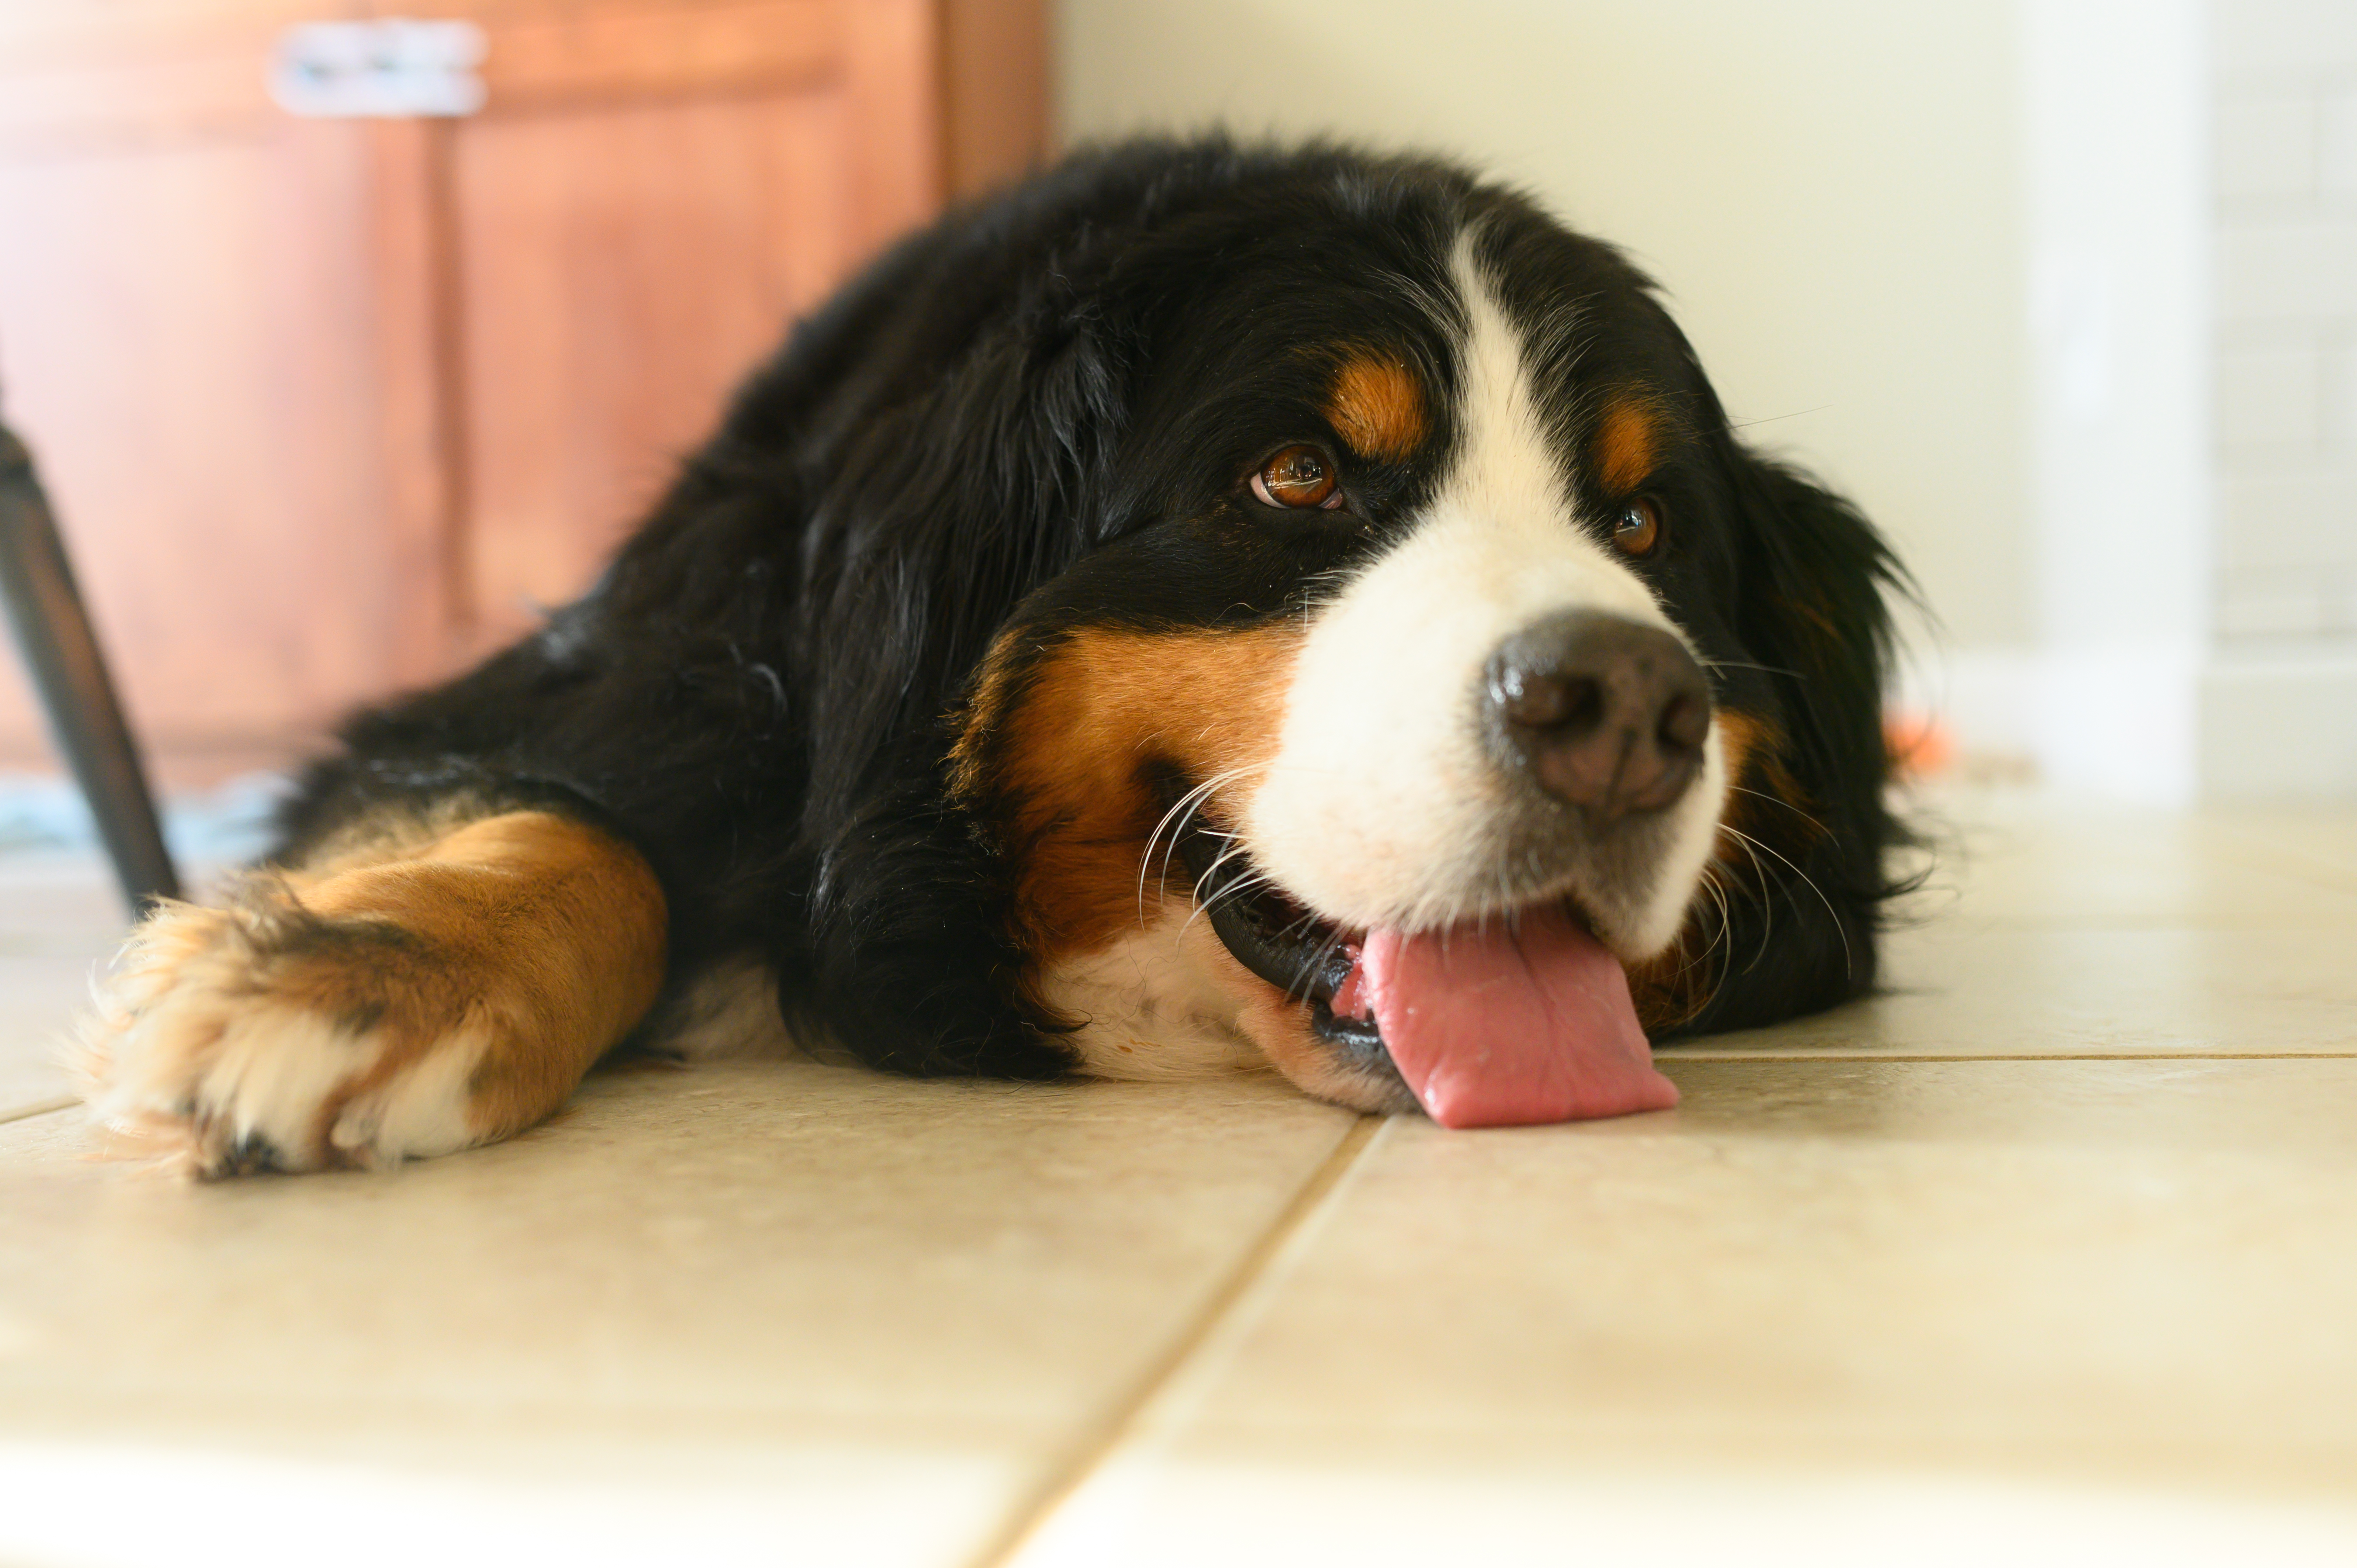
1816,582
958,481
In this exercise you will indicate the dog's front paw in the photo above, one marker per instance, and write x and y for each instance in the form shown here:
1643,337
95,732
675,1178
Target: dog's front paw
268,1036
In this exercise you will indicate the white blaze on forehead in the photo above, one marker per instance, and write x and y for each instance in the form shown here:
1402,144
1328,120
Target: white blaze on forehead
1502,528
1381,807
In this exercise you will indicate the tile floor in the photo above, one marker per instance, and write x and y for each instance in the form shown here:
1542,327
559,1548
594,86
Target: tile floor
2050,1254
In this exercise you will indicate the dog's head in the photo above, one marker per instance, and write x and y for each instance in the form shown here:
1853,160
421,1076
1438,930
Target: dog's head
1382,648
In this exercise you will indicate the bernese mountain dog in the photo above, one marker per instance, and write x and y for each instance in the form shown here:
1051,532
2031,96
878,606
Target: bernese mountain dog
1210,608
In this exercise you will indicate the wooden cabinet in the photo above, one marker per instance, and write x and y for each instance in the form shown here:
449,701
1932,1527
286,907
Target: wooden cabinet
330,405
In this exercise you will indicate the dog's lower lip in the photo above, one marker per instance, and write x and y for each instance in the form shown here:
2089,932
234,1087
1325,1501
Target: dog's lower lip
1357,1036
1301,955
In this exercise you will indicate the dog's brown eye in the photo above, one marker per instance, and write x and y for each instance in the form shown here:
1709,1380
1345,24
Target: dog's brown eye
1298,476
1639,530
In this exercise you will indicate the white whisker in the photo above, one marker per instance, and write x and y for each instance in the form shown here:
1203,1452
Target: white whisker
1180,810
1849,959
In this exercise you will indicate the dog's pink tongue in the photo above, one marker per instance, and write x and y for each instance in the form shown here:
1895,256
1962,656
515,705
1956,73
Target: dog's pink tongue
1494,1028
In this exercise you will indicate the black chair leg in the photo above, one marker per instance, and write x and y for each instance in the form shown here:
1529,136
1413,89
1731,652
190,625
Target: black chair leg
61,651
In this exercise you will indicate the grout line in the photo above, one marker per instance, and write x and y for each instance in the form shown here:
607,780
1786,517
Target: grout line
38,1107
1102,1435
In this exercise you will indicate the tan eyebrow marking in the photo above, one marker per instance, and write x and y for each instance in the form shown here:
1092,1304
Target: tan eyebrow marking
1628,441
1377,406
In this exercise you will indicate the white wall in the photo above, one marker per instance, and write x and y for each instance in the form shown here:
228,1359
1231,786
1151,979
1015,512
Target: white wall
2115,171
2281,699
1829,189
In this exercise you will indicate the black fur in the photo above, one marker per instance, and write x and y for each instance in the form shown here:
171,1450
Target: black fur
1037,408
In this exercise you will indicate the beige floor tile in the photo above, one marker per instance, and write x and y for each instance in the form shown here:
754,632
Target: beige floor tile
2034,863
771,1303
1868,1309
60,920
2322,836
1851,1312
1951,989
40,993
52,900
2060,930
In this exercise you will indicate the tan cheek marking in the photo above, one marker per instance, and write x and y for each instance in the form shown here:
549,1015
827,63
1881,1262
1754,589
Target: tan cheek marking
1377,406
1058,761
984,713
1627,443
1739,737
1756,768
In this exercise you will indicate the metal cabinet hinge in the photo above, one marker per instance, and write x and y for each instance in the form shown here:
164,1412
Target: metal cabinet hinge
389,70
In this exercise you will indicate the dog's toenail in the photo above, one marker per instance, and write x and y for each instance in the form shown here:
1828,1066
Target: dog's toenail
254,1153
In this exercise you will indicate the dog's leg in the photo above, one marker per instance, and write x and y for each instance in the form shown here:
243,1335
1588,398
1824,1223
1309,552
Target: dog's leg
403,1000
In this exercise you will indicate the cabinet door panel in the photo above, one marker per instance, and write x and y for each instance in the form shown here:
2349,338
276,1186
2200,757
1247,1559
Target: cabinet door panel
621,272
622,267
185,342
329,407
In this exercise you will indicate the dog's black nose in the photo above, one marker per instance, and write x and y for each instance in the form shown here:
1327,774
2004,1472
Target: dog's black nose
1603,712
